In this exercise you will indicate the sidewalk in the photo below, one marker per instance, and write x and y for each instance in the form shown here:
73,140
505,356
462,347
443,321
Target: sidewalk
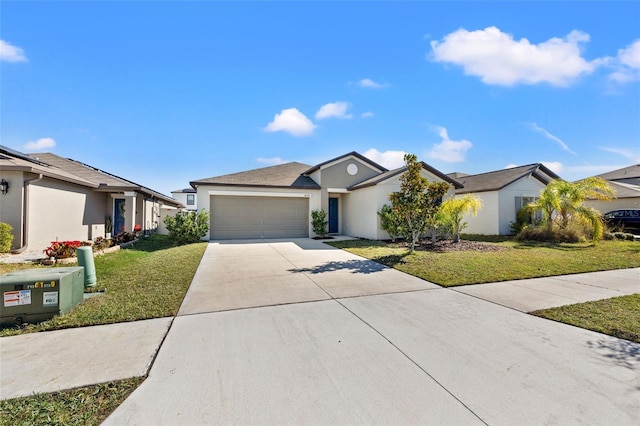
64,359
542,293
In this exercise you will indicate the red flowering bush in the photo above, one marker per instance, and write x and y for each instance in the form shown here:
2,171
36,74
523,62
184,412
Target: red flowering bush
62,249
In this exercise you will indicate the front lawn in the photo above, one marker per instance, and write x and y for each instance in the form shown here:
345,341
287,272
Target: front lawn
147,280
619,316
88,405
508,260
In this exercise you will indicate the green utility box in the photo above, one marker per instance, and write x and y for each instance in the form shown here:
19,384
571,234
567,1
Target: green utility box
34,295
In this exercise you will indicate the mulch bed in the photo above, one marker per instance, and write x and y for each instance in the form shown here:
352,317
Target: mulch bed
447,246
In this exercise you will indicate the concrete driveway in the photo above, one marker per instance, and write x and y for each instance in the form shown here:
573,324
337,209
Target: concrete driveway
295,332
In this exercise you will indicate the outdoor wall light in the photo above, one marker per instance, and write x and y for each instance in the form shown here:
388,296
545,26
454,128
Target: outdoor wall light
4,186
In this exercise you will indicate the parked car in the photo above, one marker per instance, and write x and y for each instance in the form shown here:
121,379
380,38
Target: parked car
627,220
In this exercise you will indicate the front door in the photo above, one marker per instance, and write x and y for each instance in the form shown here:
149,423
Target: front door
118,215
333,215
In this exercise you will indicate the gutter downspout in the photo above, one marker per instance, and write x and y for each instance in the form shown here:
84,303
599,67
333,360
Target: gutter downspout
25,214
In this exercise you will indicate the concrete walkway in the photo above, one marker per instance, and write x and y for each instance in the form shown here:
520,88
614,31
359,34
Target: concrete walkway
541,293
296,332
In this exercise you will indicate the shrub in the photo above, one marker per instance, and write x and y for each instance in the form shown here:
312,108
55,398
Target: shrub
540,233
319,222
6,237
187,227
101,243
123,237
390,221
62,249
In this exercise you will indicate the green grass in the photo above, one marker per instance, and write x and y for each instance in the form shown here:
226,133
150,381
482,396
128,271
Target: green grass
516,261
88,405
148,280
619,316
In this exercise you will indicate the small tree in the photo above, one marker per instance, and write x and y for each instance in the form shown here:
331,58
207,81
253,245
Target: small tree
454,209
319,222
418,201
562,202
390,221
187,227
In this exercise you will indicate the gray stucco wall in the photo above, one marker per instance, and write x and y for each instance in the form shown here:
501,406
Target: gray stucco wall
11,204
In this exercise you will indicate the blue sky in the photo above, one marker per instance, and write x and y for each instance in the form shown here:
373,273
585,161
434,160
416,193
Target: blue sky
163,93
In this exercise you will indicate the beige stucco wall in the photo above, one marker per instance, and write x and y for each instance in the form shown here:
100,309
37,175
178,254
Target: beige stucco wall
362,206
60,211
487,222
11,204
499,207
164,212
357,207
525,187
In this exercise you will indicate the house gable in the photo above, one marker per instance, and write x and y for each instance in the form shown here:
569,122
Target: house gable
499,179
344,171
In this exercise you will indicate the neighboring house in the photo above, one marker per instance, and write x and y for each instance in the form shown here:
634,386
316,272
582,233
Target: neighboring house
626,183
50,198
503,193
277,201
186,197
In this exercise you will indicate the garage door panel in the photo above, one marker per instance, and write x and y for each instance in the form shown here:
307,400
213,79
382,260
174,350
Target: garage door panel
234,217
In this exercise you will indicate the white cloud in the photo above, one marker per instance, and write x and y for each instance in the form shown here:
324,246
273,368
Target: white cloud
554,166
498,59
448,150
333,109
511,166
626,64
367,114
40,144
633,156
273,161
389,159
11,53
367,83
291,121
554,138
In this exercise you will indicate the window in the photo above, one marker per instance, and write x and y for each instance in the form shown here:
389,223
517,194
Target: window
191,199
523,202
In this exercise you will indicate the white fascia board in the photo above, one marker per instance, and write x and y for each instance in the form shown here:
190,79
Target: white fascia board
262,194
339,190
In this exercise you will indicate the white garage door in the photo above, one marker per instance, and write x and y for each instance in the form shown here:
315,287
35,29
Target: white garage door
234,217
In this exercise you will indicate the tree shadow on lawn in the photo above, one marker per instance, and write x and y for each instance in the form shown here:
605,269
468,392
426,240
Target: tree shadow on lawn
529,245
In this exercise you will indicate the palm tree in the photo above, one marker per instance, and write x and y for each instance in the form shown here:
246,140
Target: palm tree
454,209
562,202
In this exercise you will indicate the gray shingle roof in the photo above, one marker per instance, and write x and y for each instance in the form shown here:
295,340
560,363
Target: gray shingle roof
631,172
185,191
13,160
99,178
288,175
89,173
498,179
625,190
